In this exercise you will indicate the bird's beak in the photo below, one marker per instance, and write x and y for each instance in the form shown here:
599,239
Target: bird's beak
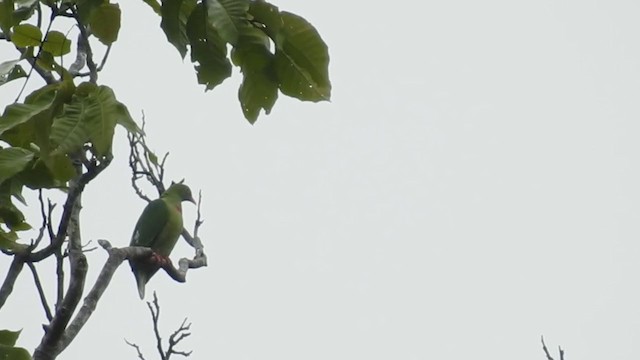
191,200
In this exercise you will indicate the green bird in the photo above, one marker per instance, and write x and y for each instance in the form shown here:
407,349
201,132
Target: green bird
158,228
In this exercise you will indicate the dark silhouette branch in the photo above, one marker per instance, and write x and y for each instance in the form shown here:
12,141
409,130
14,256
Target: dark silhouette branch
135,346
12,275
546,351
181,333
115,259
75,189
43,297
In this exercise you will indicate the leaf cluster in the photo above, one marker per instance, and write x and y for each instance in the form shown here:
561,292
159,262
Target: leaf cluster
41,137
275,50
44,133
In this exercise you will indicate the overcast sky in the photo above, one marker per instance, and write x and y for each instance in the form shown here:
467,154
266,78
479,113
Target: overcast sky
472,185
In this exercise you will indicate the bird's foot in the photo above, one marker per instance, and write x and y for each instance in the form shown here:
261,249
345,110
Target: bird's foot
162,261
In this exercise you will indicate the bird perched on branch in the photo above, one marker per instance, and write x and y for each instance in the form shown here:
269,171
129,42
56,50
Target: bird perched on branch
158,228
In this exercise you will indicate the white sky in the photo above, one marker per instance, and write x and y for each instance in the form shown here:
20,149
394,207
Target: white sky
472,185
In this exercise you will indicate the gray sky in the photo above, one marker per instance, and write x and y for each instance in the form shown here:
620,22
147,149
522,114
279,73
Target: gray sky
472,185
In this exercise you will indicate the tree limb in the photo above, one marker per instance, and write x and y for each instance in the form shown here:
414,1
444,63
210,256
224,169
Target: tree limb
14,270
43,297
546,351
116,257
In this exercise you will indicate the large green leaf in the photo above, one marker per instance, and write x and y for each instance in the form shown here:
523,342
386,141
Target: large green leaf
9,338
14,353
103,118
69,131
87,7
208,50
36,103
39,176
92,117
259,88
105,22
12,161
175,14
258,91
61,167
268,15
302,60
56,43
26,35
228,17
6,15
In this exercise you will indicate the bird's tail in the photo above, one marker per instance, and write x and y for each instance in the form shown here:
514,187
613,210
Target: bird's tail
141,281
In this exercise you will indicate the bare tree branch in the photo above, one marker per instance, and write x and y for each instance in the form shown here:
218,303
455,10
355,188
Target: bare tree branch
546,351
135,346
75,189
180,334
14,270
116,257
154,309
43,297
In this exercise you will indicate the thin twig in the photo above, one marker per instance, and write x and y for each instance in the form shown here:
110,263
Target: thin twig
14,270
43,297
544,347
180,334
45,221
154,309
135,346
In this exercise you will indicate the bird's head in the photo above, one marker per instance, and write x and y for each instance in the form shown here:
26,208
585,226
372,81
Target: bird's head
181,191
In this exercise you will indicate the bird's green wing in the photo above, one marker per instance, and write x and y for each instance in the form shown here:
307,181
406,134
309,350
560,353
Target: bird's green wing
150,225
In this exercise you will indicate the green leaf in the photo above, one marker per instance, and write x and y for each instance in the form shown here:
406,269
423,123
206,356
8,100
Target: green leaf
61,167
10,70
69,131
125,120
175,14
12,161
56,43
11,215
87,7
6,16
105,23
7,66
16,73
154,5
208,50
268,15
46,61
257,91
9,338
87,118
103,119
24,11
13,353
302,60
11,187
40,177
16,114
26,35
228,17
259,88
